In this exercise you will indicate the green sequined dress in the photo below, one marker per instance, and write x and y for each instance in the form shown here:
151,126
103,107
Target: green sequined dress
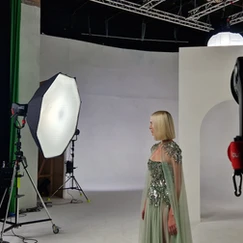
164,189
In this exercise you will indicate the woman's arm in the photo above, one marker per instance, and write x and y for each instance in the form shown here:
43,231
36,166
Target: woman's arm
176,161
177,168
145,203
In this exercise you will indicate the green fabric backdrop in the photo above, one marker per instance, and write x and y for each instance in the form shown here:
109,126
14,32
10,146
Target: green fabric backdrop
15,6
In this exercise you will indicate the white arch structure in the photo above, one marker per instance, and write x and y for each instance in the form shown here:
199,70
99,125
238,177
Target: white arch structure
204,81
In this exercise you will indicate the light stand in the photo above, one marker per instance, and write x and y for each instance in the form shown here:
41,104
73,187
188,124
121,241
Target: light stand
20,159
52,115
70,170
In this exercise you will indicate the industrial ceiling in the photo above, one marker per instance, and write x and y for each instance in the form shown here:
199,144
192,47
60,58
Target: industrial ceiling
151,25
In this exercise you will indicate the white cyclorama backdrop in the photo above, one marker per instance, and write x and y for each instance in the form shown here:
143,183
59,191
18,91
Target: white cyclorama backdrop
208,122
119,91
29,79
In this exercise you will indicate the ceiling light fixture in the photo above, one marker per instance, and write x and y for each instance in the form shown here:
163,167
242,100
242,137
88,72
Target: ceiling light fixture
226,39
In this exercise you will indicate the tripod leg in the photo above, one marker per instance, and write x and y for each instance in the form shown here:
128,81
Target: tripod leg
80,189
36,190
3,226
5,192
54,227
60,187
9,201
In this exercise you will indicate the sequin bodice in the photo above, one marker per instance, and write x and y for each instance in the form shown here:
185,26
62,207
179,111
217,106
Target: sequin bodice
157,189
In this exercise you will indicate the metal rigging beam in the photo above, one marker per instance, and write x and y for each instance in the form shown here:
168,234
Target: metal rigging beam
236,18
156,14
151,4
208,8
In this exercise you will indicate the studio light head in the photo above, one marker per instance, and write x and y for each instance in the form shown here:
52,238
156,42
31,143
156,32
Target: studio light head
52,114
19,110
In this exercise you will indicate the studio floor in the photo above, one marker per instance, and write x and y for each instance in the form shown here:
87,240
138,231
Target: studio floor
113,217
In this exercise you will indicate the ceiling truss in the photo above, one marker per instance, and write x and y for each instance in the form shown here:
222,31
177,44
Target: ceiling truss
208,8
192,21
151,12
236,18
151,4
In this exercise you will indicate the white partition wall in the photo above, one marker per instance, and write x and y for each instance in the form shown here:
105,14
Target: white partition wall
204,82
29,79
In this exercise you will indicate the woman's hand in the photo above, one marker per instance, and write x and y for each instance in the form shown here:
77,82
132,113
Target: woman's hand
172,225
143,213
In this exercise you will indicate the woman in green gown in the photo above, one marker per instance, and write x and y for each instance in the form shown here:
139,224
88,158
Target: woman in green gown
165,217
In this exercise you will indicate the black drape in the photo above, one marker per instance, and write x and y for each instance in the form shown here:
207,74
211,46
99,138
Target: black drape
5,81
5,27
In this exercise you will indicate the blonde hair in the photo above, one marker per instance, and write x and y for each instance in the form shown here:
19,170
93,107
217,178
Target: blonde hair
163,125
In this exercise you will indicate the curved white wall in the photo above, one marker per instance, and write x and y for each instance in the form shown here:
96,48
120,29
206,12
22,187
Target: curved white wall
204,81
119,89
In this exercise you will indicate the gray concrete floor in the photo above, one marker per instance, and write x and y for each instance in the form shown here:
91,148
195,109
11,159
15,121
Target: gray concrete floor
113,217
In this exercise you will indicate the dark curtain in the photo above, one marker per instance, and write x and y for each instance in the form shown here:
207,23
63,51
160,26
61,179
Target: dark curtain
5,23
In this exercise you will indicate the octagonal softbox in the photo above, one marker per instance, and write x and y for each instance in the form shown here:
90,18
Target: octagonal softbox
53,114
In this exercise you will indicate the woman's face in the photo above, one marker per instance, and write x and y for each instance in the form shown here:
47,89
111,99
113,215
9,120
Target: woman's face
151,126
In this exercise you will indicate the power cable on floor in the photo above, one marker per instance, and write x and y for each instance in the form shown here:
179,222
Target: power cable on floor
24,239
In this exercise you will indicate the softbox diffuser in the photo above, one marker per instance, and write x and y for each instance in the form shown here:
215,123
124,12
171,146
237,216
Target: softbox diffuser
53,114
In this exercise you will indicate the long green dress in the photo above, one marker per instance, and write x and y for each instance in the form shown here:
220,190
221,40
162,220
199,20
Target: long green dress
165,188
